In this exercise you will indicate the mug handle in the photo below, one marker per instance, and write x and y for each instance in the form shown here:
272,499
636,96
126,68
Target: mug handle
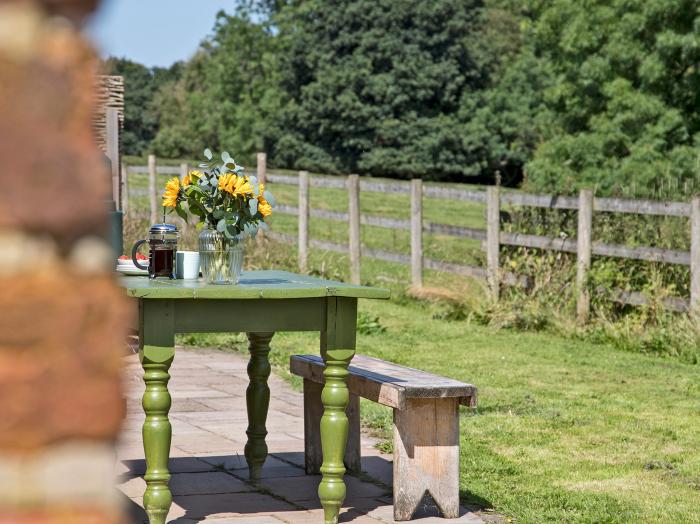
134,250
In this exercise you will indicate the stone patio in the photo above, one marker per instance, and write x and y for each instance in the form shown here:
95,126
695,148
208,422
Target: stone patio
209,474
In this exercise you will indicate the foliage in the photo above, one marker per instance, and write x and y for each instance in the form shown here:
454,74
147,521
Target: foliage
566,430
368,325
222,197
141,121
376,86
226,94
623,107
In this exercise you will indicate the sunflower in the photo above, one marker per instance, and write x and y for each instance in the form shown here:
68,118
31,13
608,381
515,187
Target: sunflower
264,206
235,185
195,174
172,191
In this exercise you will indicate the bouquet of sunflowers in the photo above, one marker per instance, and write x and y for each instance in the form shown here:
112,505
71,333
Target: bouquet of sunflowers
221,197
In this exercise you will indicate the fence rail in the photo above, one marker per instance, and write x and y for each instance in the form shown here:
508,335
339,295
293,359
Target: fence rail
492,237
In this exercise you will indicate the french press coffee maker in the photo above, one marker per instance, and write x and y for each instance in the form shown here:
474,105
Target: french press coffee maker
162,245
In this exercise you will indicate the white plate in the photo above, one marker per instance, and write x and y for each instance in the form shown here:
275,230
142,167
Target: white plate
132,271
129,262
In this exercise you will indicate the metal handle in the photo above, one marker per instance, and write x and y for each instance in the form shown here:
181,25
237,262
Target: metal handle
134,250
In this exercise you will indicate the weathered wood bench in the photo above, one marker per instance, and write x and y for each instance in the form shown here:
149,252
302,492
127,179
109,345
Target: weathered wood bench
426,426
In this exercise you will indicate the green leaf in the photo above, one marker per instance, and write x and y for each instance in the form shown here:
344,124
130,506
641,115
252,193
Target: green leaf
221,226
181,212
207,154
218,213
253,205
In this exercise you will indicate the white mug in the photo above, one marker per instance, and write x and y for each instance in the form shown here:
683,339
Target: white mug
187,264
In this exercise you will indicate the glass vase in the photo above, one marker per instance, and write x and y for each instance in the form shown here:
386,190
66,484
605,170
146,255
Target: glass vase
221,258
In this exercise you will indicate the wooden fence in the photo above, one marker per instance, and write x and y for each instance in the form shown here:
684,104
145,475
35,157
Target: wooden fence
492,237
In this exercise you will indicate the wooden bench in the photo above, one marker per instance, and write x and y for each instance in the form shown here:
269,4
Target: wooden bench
426,426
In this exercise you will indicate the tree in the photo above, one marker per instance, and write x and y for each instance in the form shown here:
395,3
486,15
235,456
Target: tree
624,103
377,85
140,85
226,95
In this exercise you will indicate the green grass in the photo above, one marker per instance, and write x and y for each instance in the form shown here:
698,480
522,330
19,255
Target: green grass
566,430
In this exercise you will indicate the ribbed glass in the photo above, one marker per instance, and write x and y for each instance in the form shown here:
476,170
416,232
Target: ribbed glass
221,259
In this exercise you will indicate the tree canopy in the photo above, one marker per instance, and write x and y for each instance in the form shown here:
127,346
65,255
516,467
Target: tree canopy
556,94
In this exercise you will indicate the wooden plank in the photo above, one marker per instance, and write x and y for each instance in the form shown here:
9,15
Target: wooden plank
493,226
583,254
287,180
641,207
453,193
184,169
354,246
635,298
112,146
426,457
569,245
261,168
255,285
125,189
400,188
384,382
417,233
303,223
650,254
387,256
695,256
152,189
550,201
455,231
161,170
329,246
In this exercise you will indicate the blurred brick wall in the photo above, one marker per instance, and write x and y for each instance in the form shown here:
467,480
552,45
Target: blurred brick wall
62,318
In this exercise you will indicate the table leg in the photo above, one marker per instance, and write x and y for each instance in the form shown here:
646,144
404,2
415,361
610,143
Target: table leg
156,355
257,401
337,349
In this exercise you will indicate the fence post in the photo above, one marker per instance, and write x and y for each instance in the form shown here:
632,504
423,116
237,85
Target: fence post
583,254
152,189
261,170
493,233
417,233
112,143
354,227
303,220
695,256
184,169
125,189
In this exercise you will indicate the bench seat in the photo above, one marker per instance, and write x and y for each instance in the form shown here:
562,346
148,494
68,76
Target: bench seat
426,426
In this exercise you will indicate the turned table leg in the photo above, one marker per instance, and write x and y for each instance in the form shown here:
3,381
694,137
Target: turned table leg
156,355
257,401
337,350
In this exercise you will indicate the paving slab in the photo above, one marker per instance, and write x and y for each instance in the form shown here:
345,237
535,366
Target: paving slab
209,473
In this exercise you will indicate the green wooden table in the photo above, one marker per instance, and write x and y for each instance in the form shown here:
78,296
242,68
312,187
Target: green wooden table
261,304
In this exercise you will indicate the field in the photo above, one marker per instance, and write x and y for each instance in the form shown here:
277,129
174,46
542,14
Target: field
566,430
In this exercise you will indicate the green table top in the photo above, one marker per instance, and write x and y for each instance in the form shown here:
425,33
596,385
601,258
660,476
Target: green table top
253,284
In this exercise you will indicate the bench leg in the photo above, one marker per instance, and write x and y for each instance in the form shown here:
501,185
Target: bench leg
313,410
426,456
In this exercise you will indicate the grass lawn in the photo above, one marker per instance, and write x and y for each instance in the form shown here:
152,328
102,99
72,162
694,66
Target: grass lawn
566,431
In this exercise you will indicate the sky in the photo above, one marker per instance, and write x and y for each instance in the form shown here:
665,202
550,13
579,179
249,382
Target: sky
154,32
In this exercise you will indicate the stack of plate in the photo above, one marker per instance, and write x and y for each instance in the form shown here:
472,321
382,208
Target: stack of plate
127,267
